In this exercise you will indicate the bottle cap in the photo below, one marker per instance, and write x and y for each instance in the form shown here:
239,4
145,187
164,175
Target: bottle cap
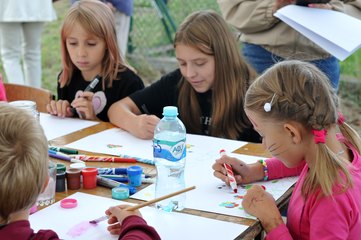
79,166
170,111
68,203
120,193
134,170
60,167
135,175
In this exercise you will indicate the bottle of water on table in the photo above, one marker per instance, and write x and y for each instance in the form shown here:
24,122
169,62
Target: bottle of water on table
169,150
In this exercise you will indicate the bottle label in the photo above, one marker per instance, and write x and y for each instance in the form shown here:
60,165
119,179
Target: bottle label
172,151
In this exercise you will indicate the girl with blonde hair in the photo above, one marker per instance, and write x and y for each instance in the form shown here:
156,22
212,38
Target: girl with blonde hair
295,110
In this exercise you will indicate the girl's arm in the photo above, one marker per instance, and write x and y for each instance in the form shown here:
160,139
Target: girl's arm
248,173
126,115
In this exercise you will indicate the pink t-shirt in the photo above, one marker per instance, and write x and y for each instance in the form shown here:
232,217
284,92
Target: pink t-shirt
2,90
336,217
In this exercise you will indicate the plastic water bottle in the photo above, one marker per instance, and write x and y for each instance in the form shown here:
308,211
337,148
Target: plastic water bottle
169,150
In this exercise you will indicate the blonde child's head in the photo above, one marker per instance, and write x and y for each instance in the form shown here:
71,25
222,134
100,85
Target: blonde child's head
98,20
23,160
299,92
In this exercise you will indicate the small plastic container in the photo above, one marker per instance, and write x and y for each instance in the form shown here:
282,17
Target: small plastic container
120,193
89,177
60,181
135,176
60,167
73,179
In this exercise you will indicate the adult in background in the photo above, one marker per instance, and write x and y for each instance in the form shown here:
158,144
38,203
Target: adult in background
267,40
21,25
123,10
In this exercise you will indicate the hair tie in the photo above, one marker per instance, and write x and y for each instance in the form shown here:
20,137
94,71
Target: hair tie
341,118
319,135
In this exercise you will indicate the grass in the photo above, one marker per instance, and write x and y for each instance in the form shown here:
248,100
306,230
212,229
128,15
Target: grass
148,33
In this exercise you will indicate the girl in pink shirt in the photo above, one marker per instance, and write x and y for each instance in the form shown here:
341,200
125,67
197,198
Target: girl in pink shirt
294,109
2,90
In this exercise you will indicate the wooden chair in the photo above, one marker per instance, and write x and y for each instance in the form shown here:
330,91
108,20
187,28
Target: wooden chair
41,96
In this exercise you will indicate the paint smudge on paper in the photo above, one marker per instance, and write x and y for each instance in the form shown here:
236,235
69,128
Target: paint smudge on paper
229,204
80,229
189,147
114,146
238,197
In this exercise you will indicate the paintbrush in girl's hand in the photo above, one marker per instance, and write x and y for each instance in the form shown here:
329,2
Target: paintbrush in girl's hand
135,207
95,221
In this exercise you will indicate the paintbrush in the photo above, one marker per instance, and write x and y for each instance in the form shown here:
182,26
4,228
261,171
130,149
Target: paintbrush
135,207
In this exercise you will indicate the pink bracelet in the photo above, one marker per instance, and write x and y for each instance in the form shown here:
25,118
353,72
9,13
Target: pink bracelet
265,169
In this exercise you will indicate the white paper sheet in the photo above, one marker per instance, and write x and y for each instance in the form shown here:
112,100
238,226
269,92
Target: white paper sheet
116,142
335,32
120,143
211,194
174,226
56,127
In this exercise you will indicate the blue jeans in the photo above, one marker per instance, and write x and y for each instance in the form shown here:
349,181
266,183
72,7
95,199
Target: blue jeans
261,59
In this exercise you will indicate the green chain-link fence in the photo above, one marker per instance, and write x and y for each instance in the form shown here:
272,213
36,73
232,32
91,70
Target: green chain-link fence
155,21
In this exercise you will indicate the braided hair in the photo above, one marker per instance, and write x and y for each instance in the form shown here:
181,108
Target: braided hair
302,93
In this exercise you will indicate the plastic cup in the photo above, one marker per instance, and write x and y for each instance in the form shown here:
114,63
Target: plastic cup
135,176
89,177
73,179
48,196
60,181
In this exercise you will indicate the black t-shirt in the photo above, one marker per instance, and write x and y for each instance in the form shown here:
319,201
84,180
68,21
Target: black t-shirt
165,92
127,82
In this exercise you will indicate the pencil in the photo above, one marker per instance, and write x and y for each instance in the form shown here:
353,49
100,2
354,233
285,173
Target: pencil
132,208
136,207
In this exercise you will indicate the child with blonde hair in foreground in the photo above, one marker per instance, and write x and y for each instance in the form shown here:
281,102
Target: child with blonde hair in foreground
295,110
24,175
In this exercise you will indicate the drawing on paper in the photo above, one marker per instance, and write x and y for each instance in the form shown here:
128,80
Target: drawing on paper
80,228
229,204
114,146
238,197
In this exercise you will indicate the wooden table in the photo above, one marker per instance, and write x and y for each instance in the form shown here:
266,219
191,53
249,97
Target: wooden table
253,232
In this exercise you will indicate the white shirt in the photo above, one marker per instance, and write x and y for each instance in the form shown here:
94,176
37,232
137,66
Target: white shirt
26,11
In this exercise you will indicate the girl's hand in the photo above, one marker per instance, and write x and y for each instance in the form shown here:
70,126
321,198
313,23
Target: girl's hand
243,173
320,5
60,108
116,216
84,105
145,125
262,205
